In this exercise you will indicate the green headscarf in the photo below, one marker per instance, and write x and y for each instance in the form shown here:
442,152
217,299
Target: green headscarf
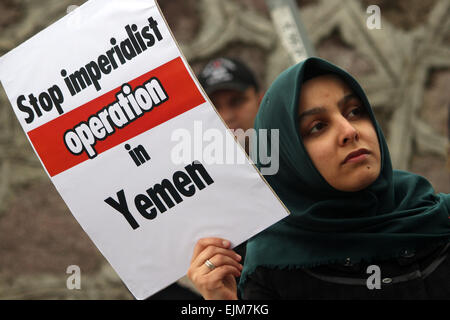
399,211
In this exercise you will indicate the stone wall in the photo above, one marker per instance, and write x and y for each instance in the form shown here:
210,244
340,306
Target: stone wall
404,67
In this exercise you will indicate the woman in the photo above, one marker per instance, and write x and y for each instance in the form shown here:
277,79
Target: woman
349,209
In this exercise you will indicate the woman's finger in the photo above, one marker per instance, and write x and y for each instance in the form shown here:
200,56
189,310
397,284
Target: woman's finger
219,260
210,252
205,242
215,278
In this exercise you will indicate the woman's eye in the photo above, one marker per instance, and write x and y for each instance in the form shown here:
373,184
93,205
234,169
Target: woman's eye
355,112
317,127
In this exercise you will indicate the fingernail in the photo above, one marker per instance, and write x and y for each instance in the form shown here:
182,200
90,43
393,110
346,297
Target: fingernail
238,257
225,243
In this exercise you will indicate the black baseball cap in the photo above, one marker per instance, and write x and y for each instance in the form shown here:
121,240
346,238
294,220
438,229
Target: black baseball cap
226,73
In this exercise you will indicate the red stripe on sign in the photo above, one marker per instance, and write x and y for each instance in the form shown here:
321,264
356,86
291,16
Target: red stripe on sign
183,95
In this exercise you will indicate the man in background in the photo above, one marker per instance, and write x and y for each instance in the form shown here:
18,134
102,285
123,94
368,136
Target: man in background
234,91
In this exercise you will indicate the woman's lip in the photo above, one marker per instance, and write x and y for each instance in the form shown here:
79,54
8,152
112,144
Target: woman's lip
357,156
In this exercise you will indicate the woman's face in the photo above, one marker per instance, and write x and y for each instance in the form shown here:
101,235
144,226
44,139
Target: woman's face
338,134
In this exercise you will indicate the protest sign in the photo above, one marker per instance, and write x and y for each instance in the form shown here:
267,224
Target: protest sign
99,94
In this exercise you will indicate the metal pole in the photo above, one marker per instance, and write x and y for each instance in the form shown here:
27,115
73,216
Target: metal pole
293,34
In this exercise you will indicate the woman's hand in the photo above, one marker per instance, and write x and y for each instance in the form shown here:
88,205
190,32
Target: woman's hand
216,282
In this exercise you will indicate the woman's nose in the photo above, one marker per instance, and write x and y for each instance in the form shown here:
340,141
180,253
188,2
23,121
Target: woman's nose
347,132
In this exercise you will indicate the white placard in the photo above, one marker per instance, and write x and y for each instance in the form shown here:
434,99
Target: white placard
99,95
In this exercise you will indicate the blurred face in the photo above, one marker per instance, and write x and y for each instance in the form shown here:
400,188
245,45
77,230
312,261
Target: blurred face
338,134
237,108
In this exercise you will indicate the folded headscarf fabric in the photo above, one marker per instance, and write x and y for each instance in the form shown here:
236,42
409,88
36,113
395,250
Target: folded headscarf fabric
398,211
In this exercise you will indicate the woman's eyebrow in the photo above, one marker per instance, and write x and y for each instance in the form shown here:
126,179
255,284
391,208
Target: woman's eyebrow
311,112
317,110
